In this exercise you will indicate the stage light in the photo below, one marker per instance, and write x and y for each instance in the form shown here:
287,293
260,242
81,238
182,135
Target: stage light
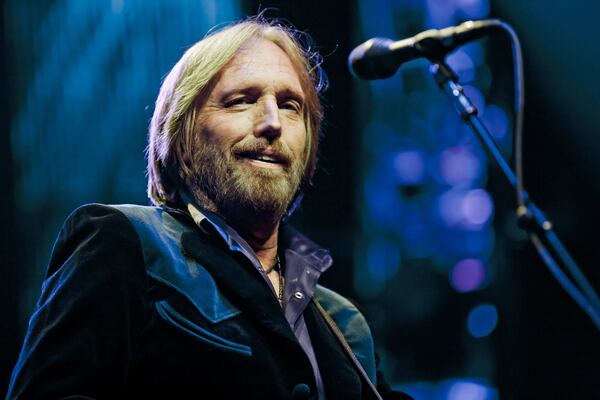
482,320
476,208
462,63
468,275
466,390
459,166
410,167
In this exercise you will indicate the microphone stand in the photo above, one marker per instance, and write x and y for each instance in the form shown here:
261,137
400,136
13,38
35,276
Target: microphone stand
529,216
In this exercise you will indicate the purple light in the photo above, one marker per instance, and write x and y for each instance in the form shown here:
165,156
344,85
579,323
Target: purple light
409,166
477,208
458,166
467,275
496,121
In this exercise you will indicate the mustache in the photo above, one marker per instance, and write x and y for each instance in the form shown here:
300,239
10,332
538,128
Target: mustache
275,149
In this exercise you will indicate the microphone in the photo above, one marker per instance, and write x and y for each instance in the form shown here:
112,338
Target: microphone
380,58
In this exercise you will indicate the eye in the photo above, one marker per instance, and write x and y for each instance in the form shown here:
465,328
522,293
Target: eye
291,105
237,101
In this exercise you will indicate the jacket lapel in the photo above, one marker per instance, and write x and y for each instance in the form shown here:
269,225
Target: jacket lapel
239,281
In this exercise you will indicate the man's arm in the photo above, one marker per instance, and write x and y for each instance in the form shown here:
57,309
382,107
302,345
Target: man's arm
83,332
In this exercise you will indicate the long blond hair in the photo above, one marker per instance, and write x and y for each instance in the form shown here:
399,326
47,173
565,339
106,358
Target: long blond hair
188,84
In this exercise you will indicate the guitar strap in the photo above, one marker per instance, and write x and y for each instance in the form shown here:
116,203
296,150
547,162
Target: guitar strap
340,337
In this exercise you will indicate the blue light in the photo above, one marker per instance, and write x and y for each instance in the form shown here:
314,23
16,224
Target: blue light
462,388
473,9
410,166
440,14
459,166
462,63
477,208
476,97
469,390
496,121
449,207
482,320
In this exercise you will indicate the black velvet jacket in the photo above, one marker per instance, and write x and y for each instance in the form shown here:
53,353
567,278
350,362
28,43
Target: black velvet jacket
139,302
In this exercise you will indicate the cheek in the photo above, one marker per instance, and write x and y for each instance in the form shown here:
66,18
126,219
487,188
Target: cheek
297,143
226,130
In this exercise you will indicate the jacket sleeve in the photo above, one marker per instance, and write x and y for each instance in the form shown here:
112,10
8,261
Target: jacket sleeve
83,332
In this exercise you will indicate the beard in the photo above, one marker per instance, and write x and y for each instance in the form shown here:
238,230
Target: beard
225,183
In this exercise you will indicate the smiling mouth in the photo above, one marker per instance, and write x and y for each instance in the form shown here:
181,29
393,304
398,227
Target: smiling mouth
273,159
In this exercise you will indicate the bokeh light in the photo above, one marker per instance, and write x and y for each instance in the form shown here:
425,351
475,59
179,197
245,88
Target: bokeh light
496,121
462,64
410,166
482,320
468,275
477,208
459,166
469,390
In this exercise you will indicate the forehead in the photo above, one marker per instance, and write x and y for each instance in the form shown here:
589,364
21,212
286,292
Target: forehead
260,62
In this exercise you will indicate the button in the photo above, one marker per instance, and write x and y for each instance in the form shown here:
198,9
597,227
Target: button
299,295
301,392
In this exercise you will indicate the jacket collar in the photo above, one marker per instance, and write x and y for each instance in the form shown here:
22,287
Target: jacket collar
291,239
238,281
236,269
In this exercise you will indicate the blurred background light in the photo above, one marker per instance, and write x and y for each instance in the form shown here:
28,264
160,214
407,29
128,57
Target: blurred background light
410,166
482,320
496,121
469,390
462,388
476,96
459,166
460,61
472,9
468,275
477,208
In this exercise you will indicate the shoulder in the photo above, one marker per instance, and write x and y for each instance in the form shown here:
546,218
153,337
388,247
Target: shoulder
353,325
345,314
93,232
123,228
125,220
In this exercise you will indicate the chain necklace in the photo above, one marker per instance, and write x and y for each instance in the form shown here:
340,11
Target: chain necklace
277,267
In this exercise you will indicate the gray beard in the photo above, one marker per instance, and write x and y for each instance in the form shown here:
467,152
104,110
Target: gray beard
242,193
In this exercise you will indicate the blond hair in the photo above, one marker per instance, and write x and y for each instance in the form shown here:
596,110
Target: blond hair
188,84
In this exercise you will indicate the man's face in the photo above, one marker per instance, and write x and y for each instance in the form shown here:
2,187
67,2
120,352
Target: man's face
250,152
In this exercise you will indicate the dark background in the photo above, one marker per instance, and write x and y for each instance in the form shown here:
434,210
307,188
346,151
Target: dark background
544,346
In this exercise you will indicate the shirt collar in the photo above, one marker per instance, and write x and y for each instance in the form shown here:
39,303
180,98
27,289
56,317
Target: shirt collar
290,239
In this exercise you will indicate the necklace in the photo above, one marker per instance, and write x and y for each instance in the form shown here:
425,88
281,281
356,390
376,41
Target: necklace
273,266
276,266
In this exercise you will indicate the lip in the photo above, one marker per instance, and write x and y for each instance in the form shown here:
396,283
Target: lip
267,158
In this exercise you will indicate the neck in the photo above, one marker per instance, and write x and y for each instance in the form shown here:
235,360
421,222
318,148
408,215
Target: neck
263,239
259,231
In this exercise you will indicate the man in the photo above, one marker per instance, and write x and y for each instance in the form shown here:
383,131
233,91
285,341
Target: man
208,294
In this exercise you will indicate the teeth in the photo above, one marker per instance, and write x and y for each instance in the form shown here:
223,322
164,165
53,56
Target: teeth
266,158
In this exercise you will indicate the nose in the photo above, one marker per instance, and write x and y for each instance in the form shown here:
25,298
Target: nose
268,123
